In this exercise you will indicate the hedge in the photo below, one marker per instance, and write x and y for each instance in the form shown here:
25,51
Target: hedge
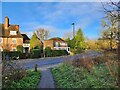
36,53
14,54
53,53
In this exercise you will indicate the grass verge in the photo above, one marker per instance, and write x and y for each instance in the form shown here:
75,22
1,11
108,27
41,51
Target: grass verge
68,76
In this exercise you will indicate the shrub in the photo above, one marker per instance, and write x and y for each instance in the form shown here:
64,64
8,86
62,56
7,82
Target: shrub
35,53
48,52
59,53
53,53
20,48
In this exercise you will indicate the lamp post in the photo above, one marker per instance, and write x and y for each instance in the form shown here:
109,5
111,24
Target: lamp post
73,26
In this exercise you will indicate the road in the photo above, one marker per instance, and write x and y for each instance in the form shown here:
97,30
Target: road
44,64
53,61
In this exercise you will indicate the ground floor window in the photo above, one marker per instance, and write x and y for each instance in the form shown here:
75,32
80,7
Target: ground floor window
14,49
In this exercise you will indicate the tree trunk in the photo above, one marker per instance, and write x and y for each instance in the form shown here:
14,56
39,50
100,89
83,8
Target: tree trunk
118,65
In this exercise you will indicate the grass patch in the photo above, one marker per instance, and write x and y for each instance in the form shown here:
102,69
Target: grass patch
68,76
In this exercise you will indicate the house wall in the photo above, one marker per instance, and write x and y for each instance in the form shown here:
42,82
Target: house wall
8,44
48,43
60,43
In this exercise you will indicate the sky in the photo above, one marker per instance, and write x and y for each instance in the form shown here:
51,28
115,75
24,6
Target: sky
56,17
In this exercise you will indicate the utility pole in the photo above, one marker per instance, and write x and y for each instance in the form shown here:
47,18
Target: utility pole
73,26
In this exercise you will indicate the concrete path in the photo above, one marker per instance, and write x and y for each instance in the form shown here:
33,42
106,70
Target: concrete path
46,79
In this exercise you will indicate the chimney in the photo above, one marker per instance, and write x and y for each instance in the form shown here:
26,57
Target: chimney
6,23
17,27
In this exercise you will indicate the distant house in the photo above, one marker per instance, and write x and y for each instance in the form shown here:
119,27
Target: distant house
26,43
10,37
56,44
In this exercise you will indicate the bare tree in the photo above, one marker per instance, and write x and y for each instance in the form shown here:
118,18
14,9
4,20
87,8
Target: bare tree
113,10
42,34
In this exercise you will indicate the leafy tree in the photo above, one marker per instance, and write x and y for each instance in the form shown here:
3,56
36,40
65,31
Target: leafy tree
110,32
20,48
70,42
35,42
80,44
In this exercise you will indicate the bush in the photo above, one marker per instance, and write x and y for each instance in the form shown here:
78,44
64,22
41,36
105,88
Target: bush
30,80
59,53
20,48
35,53
48,52
53,53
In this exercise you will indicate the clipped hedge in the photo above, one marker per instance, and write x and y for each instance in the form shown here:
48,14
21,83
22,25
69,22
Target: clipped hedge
14,54
59,53
36,53
53,53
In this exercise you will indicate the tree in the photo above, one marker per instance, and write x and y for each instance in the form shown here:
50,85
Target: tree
80,44
42,34
113,10
70,43
35,42
110,32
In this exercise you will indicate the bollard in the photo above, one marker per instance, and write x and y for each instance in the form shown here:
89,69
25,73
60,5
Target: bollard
36,67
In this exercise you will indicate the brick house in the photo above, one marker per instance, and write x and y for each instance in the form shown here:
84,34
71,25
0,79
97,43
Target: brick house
10,37
56,44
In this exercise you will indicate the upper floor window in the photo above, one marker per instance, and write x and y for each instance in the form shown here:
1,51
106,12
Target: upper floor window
63,44
13,33
14,40
56,44
0,40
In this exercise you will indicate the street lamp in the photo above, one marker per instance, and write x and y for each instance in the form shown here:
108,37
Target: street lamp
73,25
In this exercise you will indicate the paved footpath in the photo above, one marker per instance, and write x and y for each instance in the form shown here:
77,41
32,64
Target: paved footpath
46,80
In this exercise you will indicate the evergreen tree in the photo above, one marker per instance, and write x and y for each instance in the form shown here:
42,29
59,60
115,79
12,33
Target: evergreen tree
35,42
80,44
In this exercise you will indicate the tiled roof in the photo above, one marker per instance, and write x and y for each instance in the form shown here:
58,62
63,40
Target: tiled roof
57,39
26,39
6,32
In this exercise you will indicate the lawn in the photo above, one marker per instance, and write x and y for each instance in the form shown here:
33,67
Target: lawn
68,76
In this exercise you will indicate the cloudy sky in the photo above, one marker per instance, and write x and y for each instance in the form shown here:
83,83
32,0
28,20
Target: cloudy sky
55,16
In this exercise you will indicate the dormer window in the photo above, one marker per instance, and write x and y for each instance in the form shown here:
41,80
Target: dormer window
13,33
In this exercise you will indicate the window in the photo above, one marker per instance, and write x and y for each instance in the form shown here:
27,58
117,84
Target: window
56,44
13,33
14,49
0,40
14,40
63,44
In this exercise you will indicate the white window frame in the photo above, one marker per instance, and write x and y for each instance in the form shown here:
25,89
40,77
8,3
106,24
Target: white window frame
13,40
56,44
13,32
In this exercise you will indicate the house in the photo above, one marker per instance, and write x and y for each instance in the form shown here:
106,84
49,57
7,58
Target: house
10,37
56,44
